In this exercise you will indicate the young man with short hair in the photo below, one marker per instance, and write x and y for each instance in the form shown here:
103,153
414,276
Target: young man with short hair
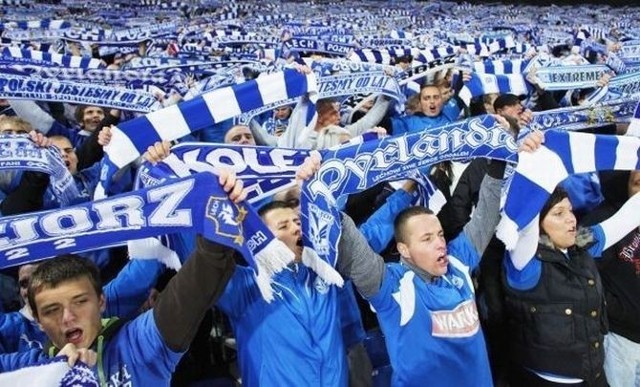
66,298
426,303
295,340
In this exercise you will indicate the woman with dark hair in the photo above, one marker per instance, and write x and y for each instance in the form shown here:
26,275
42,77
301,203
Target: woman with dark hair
555,303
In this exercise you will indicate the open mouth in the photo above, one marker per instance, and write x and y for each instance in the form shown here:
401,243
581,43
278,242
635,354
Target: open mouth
74,336
443,260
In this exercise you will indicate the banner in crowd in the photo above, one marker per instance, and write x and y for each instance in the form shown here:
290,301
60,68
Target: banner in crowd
24,87
352,169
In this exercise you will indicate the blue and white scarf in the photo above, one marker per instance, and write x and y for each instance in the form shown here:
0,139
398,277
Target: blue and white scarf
500,67
634,124
264,170
583,116
193,204
570,77
26,87
296,44
630,52
562,154
28,24
367,82
18,152
55,372
480,84
130,139
131,79
355,168
18,55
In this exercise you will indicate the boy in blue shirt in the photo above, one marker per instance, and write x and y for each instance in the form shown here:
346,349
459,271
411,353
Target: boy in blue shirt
66,298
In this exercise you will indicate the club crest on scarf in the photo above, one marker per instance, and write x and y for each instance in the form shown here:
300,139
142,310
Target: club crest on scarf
354,168
319,222
227,218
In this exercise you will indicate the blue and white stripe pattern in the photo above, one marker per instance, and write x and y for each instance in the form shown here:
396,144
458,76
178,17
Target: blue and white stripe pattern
634,124
131,138
481,84
562,154
55,59
55,372
500,67
36,24
431,55
382,56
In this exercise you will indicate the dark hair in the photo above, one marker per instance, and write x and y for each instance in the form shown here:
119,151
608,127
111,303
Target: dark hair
325,104
428,85
505,100
556,197
63,268
274,205
404,59
404,216
513,124
79,113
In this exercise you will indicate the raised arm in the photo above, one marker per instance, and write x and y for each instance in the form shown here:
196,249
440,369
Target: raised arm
129,290
358,261
622,222
485,218
198,284
372,118
261,135
298,133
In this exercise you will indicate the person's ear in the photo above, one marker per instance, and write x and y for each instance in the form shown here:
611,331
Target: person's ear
403,249
102,303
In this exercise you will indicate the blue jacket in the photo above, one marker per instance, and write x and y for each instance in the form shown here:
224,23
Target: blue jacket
293,341
18,333
417,122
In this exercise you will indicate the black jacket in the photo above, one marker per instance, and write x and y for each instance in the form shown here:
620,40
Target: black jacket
559,325
620,264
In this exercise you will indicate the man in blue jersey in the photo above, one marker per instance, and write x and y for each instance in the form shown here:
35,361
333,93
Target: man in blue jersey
426,303
66,298
434,111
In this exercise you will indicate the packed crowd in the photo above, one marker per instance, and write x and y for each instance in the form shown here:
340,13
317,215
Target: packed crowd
319,194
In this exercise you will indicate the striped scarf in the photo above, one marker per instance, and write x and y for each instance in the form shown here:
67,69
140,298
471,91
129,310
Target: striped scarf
130,139
351,169
195,204
20,153
562,154
481,84
55,372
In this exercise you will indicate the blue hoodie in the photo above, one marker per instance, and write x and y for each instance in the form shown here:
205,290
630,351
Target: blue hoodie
293,341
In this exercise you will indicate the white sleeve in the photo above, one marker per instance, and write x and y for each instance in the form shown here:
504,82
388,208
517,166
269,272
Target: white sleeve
622,222
32,113
298,134
527,244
